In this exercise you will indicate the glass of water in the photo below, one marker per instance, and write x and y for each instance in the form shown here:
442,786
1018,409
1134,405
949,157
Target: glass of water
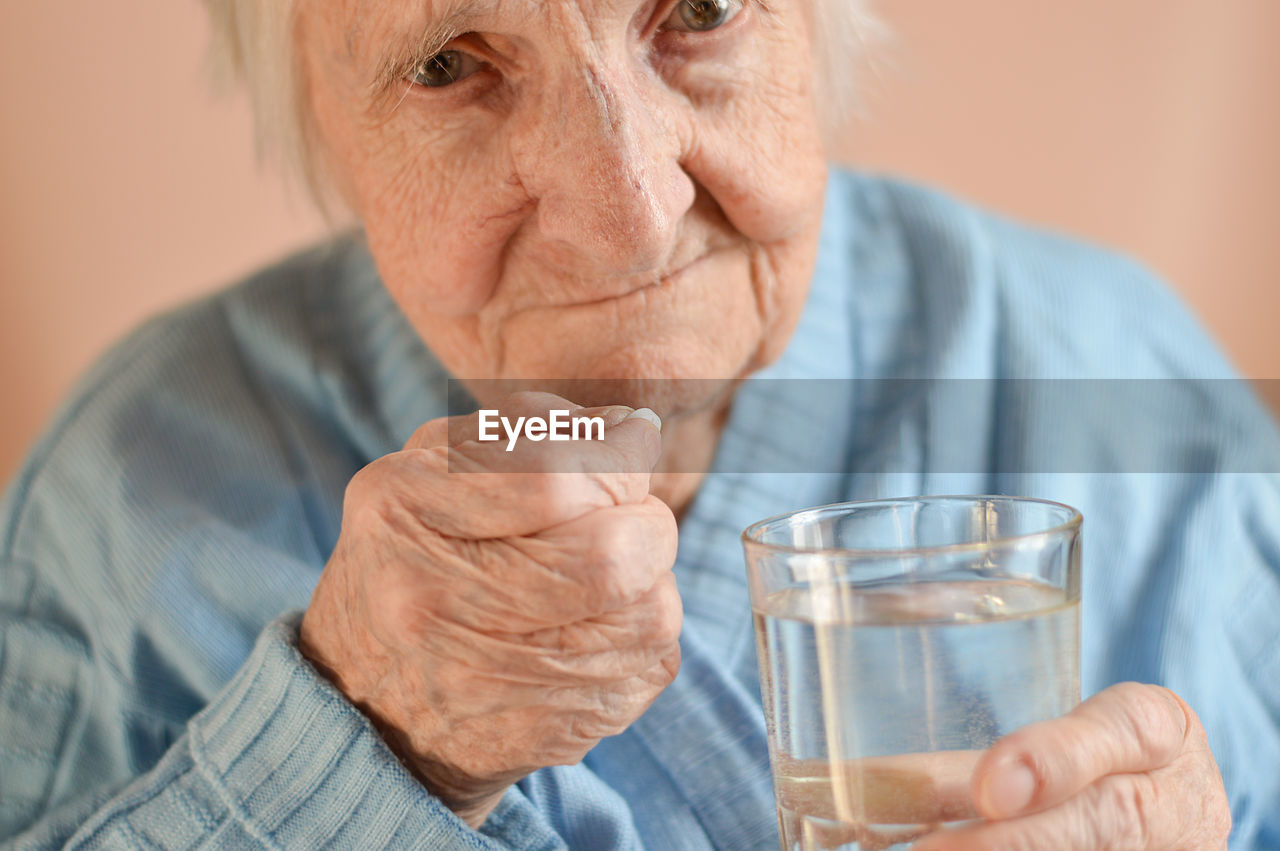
897,640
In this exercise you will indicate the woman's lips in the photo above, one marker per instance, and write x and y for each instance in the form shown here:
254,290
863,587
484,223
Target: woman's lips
534,293
664,281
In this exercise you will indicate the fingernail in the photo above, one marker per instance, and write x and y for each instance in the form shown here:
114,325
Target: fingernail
616,415
1009,791
648,416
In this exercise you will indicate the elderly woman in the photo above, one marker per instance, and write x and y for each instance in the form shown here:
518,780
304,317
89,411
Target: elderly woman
259,591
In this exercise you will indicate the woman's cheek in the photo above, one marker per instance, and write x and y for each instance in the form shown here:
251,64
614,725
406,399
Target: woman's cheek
770,181
769,185
438,225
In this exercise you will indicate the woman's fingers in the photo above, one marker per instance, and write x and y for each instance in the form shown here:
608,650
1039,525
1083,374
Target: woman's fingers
1128,728
919,788
1121,812
480,491
1130,768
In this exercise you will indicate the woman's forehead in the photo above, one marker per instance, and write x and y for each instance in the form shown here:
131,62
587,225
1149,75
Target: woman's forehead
463,15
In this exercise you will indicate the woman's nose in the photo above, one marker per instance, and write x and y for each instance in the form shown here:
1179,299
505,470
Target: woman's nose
606,174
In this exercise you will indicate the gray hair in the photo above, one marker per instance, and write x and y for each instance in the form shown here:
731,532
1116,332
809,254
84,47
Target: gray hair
252,45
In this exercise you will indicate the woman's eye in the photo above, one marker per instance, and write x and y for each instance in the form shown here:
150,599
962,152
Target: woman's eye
443,69
702,15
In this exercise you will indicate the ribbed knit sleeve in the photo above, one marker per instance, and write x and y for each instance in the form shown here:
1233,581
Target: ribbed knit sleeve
279,759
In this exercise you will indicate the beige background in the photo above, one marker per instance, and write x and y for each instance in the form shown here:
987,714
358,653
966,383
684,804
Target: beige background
1150,125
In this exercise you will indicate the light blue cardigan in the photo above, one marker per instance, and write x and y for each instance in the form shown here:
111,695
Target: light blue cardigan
160,541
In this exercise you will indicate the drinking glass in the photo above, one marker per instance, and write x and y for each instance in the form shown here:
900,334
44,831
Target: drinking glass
898,639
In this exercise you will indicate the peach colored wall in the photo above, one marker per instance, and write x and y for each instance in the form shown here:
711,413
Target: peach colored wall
1152,125
1149,125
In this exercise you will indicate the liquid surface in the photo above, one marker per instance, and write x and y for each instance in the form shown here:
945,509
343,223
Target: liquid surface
881,700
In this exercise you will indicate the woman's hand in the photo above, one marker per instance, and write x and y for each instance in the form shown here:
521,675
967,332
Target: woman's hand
492,614
1130,768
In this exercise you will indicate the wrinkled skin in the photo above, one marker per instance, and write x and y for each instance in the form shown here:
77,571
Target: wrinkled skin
599,197
1127,770
488,636
607,198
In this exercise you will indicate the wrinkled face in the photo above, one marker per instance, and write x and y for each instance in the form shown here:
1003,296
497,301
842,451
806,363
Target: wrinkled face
577,189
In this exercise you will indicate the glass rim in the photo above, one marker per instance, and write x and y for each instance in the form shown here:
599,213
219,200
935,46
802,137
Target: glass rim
751,540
